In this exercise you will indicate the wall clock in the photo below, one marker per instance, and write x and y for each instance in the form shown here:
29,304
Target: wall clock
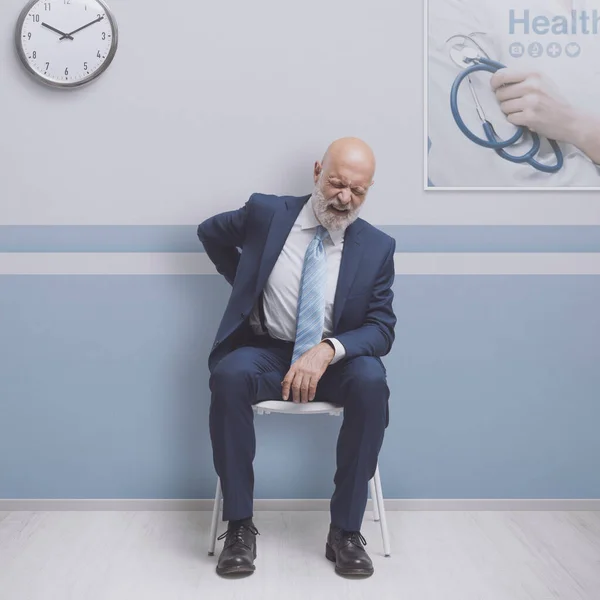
66,43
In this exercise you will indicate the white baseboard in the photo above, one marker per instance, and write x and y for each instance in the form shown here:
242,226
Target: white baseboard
391,504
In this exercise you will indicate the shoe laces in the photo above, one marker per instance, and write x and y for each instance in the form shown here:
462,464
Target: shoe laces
355,537
235,535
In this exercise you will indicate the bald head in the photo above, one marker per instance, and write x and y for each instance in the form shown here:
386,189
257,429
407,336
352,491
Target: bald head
342,181
352,153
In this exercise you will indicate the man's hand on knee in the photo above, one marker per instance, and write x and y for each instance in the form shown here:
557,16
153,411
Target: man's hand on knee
305,373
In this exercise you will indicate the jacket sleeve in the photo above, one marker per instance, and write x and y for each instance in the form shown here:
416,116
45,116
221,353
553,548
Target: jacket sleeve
376,336
221,236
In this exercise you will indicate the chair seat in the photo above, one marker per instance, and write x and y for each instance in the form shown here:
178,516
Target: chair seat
292,408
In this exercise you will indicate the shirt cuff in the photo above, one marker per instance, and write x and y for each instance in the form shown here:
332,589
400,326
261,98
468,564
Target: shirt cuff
340,351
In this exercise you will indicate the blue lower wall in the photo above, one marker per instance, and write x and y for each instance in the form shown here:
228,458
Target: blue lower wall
104,391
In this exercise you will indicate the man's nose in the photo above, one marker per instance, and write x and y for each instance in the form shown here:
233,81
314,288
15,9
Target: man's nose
345,196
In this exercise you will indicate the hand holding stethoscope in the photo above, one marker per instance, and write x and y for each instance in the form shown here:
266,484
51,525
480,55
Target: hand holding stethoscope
514,102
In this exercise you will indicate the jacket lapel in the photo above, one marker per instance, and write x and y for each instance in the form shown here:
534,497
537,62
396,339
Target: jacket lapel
281,223
351,257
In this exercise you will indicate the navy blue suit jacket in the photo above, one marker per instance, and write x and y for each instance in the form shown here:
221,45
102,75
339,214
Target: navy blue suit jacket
244,245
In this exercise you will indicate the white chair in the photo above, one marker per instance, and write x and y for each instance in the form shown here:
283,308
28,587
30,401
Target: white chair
311,408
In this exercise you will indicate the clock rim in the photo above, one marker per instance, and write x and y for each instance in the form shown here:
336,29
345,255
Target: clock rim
70,84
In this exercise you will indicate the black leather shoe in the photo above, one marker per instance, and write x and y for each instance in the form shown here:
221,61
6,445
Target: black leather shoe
239,549
345,549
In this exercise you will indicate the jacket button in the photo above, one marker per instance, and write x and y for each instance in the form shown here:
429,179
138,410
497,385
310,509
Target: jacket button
243,316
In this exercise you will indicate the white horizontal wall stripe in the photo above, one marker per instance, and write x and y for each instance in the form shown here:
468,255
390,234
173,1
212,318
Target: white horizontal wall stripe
106,263
504,263
413,263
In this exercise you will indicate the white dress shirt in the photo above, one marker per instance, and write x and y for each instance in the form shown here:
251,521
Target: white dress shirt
283,285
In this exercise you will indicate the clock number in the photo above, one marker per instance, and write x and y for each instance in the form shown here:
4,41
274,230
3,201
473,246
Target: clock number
36,18
68,2
67,71
34,54
85,66
29,35
47,6
99,55
47,66
104,35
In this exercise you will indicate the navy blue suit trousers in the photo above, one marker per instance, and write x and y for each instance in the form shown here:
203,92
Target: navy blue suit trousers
252,373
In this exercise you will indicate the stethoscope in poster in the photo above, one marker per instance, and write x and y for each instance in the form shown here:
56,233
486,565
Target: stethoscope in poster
513,94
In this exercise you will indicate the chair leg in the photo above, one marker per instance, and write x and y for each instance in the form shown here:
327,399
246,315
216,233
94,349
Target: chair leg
215,519
385,534
374,500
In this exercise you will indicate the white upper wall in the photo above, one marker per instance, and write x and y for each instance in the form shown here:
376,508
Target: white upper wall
207,102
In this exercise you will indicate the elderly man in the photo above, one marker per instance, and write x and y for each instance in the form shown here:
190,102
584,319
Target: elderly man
310,314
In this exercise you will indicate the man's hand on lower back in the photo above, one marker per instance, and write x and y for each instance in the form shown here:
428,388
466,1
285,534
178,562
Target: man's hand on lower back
305,373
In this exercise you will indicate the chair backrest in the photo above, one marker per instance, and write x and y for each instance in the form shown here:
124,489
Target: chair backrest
292,408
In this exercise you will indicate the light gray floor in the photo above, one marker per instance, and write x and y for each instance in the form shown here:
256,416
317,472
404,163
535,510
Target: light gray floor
437,555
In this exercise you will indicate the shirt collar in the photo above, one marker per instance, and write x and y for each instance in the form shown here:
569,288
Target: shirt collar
308,219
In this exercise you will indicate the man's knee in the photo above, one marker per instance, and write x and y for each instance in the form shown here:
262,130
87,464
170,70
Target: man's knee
367,383
233,373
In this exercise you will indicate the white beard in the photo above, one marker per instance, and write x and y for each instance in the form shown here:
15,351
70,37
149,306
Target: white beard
328,219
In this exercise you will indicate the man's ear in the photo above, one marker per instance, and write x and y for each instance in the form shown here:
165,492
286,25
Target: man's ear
317,170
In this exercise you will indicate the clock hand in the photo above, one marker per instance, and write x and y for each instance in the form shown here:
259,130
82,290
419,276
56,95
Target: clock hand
65,35
87,25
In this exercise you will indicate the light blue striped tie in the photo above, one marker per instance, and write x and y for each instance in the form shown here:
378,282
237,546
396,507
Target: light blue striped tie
311,302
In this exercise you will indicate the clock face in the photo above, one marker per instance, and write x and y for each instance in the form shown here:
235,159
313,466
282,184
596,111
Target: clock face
66,43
